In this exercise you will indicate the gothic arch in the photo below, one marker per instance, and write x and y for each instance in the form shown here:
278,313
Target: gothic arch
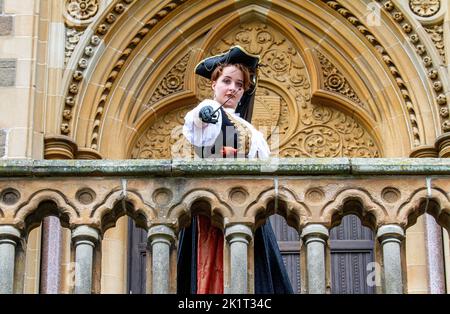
137,63
438,204
366,208
117,204
217,209
282,201
63,206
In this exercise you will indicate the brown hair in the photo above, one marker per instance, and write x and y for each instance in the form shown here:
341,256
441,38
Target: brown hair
245,73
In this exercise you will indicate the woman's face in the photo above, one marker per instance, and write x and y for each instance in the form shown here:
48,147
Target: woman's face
229,85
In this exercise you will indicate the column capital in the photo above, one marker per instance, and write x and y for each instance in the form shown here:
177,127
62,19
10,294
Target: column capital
10,234
88,154
390,232
238,232
85,233
161,233
59,147
315,231
424,151
442,144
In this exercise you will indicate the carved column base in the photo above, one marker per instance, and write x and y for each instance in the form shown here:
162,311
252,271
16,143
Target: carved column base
59,147
424,151
443,145
87,153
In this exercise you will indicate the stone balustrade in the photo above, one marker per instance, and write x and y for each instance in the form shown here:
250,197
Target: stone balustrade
88,196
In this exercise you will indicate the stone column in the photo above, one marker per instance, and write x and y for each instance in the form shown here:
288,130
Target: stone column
435,255
433,232
51,249
238,237
84,239
9,236
55,147
390,237
315,237
160,238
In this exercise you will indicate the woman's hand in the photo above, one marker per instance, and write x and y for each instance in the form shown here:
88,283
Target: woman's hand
229,152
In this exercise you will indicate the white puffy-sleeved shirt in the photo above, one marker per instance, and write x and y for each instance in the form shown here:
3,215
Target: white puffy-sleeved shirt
200,134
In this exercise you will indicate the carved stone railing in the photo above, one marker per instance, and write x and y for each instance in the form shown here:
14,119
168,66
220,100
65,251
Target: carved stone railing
313,195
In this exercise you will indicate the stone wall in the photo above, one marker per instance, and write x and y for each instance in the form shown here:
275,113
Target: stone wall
7,72
2,143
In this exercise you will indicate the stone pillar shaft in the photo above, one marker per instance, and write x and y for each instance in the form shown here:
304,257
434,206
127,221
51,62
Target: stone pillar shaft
435,256
391,237
238,237
84,239
161,238
315,237
51,248
9,236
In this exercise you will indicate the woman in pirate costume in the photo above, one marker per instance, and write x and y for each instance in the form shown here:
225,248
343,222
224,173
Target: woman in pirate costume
220,127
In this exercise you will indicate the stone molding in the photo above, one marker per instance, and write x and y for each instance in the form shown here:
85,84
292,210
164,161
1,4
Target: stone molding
424,151
430,64
59,147
442,145
390,232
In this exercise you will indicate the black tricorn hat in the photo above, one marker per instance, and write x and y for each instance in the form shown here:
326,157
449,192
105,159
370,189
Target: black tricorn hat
234,55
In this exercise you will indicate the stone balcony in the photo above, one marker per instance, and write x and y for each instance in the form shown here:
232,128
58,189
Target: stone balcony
312,195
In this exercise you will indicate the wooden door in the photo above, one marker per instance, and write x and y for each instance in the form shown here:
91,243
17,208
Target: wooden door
137,244
352,249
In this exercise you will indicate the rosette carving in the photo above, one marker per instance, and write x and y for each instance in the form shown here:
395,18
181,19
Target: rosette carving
172,82
82,9
425,8
335,81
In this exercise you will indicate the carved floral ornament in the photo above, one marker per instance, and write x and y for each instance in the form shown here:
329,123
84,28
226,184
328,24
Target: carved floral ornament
82,9
425,8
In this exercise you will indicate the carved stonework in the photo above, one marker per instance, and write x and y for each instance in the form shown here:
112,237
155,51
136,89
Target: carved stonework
282,110
334,81
72,39
372,39
82,9
157,141
172,82
327,132
436,33
425,8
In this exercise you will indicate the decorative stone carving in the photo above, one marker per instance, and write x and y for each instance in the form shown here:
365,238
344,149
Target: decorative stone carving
157,141
334,80
425,8
72,38
102,29
172,82
82,9
436,33
327,132
317,131
352,19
